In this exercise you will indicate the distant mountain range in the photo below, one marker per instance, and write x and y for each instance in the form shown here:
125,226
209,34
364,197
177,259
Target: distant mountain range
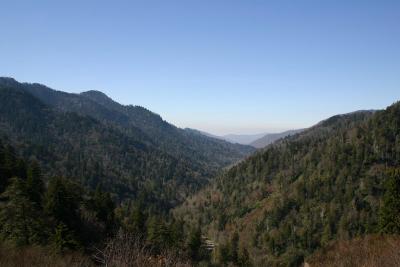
243,139
270,138
254,140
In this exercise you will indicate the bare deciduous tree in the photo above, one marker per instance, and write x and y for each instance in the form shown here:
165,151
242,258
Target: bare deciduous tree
126,250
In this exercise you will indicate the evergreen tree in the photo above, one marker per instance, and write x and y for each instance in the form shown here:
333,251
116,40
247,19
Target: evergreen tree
138,219
20,169
104,207
62,204
223,255
390,212
20,220
63,239
177,232
234,248
10,161
34,184
244,259
7,166
195,244
158,233
3,172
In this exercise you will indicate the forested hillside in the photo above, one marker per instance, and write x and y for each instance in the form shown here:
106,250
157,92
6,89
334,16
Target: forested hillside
295,196
73,146
207,153
53,221
130,151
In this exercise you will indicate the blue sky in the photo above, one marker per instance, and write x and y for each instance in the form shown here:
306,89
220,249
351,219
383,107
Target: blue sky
221,66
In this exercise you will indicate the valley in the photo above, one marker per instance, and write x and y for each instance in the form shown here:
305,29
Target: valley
92,169
200,133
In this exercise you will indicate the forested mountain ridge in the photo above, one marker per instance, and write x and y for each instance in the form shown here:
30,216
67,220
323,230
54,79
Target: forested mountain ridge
141,123
73,146
300,193
74,136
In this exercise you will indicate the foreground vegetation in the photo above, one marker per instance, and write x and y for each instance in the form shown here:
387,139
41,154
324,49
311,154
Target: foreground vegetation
57,222
35,256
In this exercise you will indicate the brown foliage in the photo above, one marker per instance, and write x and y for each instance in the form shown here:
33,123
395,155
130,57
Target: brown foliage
370,251
123,251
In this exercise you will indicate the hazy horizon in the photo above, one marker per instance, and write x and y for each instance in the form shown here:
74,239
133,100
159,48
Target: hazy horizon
223,67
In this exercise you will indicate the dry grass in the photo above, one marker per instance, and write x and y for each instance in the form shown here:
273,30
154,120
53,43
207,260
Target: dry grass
40,257
371,251
123,251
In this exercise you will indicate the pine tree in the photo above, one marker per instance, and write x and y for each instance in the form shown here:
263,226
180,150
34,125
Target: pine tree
234,248
3,176
244,259
62,204
177,232
104,207
138,219
20,169
7,166
63,239
20,220
158,233
223,255
10,161
195,244
389,221
34,184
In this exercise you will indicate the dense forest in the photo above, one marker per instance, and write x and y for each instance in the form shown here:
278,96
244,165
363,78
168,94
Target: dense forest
82,176
86,181
62,217
297,195
129,150
145,126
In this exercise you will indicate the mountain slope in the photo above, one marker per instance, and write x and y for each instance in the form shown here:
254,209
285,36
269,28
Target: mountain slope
71,145
298,194
142,124
270,138
74,136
